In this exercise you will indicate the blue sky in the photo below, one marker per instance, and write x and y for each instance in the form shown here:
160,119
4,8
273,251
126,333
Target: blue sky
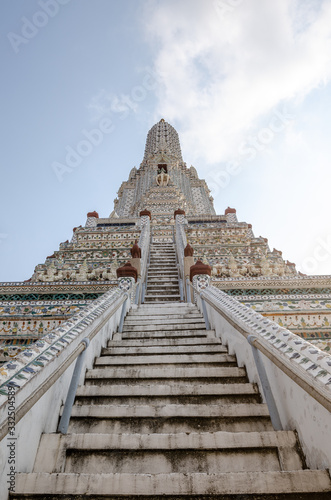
245,83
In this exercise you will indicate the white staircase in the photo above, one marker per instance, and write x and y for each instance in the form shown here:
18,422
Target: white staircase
167,413
162,284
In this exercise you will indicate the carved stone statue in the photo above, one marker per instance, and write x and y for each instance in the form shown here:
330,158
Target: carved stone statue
188,251
265,266
233,267
136,251
162,178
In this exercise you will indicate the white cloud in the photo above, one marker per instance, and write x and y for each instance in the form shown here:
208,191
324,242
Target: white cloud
221,74
106,103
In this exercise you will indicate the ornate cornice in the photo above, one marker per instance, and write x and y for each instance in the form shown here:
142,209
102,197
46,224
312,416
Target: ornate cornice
57,287
294,281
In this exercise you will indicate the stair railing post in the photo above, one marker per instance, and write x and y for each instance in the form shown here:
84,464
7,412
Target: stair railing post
272,407
143,293
205,314
188,290
66,414
136,299
181,290
123,312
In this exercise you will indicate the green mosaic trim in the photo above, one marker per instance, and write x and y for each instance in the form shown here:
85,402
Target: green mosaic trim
277,291
49,296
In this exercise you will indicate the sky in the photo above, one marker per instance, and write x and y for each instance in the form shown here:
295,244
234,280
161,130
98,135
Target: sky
245,83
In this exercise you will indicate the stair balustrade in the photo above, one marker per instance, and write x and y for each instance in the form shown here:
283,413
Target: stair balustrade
296,373
38,379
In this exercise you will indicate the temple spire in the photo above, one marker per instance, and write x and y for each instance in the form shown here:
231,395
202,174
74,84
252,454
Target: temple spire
163,138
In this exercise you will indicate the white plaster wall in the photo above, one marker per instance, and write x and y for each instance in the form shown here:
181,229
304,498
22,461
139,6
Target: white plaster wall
44,415
297,410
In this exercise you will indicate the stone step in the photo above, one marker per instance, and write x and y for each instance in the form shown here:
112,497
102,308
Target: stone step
179,307
163,389
161,279
155,253
168,411
163,350
166,283
162,266
163,273
164,359
161,290
216,452
162,245
141,342
178,311
163,394
154,297
152,311
155,257
163,282
168,400
165,251
133,317
172,318
173,373
177,424
186,324
166,278
141,321
315,483
162,298
165,333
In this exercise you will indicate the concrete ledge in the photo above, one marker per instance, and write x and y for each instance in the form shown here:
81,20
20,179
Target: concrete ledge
167,333
161,350
188,410
168,390
154,373
164,359
263,483
143,342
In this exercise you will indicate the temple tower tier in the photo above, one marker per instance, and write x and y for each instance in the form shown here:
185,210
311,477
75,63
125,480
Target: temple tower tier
163,182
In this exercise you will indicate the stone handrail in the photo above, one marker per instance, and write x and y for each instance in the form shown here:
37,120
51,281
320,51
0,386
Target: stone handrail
307,365
181,243
144,245
19,371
